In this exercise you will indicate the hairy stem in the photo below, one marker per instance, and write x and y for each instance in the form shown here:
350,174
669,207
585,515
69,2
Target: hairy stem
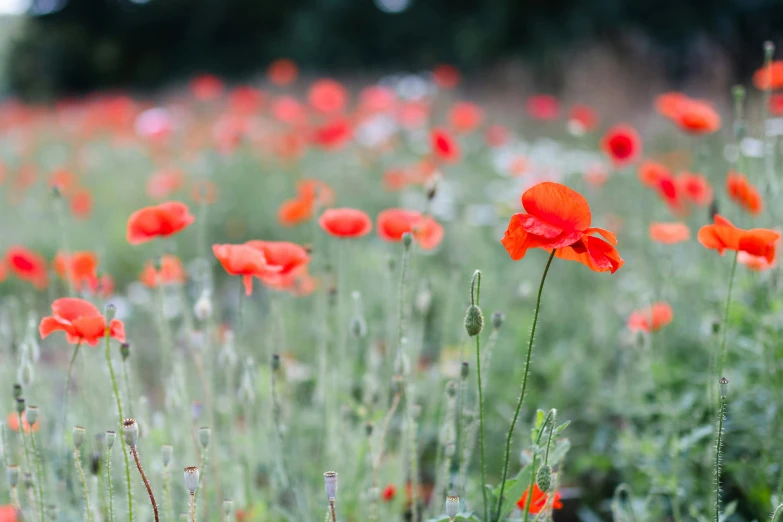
85,490
116,390
38,475
725,325
477,284
109,485
68,378
146,482
718,446
192,508
167,493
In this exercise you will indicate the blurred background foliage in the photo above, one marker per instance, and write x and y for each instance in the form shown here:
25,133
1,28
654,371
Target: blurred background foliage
75,46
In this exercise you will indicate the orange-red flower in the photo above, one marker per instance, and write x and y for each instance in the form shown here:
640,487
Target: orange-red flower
164,182
496,135
388,493
695,188
446,76
327,96
377,98
669,233
284,258
80,267
427,232
206,87
162,220
244,260
282,71
393,223
81,321
769,77
543,107
650,173
723,235
287,109
559,218
585,116
622,144
669,104
294,211
650,319
333,134
465,116
27,266
538,500
245,99
345,222
776,104
444,146
697,117
8,513
81,203
171,272
13,423
743,193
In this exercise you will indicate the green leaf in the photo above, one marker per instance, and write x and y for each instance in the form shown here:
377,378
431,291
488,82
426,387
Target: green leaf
514,491
562,427
540,416
559,451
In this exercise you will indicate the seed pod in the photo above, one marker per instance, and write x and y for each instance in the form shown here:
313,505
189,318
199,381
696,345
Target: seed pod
17,390
95,463
407,239
130,432
166,453
77,436
275,362
111,436
497,319
452,506
330,484
196,409
191,479
20,405
125,351
474,320
12,473
451,388
111,311
31,414
464,369
544,478
204,434
724,387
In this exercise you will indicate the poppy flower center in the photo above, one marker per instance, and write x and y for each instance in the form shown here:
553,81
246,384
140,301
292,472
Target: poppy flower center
23,263
621,146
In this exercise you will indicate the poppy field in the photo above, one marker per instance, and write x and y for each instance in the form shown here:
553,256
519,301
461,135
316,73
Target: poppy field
300,299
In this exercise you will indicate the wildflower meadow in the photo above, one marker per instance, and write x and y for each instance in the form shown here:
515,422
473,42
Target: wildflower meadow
300,299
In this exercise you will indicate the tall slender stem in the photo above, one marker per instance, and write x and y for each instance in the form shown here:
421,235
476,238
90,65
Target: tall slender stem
725,325
192,508
109,482
85,491
332,511
167,493
477,284
68,378
116,390
135,454
524,386
38,475
718,445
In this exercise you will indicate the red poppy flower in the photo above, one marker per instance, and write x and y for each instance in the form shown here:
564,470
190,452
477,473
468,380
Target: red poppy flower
105,286
465,116
559,218
206,87
446,76
282,72
776,104
162,220
13,423
164,182
622,144
585,116
81,203
8,513
769,77
650,173
27,266
723,235
388,493
333,135
245,99
695,188
81,321
345,222
543,107
283,257
376,98
650,319
496,135
294,211
315,190
64,180
244,260
287,109
444,146
670,103
80,267
669,233
327,96
171,272
697,117
743,193
538,501
392,223
414,114
427,232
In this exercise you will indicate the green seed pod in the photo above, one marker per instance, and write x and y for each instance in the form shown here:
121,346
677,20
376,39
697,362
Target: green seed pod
407,239
111,311
497,319
464,369
17,390
111,436
77,436
474,320
12,473
204,434
130,432
125,351
275,362
95,463
544,478
31,414
451,388
20,406
452,506
191,479
724,387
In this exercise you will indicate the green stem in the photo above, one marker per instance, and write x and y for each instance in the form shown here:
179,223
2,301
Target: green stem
725,325
110,486
776,513
718,444
68,378
126,378
549,439
24,440
77,460
524,386
477,284
116,390
39,475
167,493
533,470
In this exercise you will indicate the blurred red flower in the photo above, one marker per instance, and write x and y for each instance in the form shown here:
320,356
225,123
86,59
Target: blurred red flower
345,222
622,144
465,116
743,193
669,233
81,321
543,107
585,116
244,260
162,220
443,146
282,72
327,96
446,76
13,423
171,271
27,266
206,87
80,267
650,319
538,500
769,77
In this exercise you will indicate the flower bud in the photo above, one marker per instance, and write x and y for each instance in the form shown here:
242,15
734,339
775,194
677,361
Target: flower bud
369,427
452,506
431,186
275,362
166,452
196,409
204,434
125,351
497,319
77,436
544,478
451,388
203,307
111,312
474,320
724,387
95,463
407,238
130,432
17,390
769,49
111,436
31,414
20,406
191,479
330,483
228,507
12,473
464,369
27,480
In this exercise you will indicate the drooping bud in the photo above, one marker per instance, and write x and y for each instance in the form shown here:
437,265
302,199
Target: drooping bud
330,484
77,436
497,319
191,479
111,312
12,473
31,414
125,351
474,320
17,390
111,436
204,435
95,463
724,387
544,478
203,307
166,452
451,388
452,506
407,239
432,185
130,432
20,405
464,369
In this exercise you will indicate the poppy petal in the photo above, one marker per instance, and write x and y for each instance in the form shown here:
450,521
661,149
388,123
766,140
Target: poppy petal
558,206
593,252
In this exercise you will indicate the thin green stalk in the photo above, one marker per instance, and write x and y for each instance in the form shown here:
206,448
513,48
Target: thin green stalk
85,490
4,444
533,470
549,439
718,445
110,486
776,514
201,484
38,475
725,325
167,493
24,440
475,302
68,378
524,386
116,390
126,378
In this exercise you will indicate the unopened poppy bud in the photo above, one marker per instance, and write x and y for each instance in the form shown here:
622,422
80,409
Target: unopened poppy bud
275,362
228,507
20,406
203,307
368,428
77,436
474,320
464,370
27,480
56,191
769,49
111,436
432,185
407,239
196,408
130,432
95,463
204,434
497,319
714,209
330,483
191,479
166,452
451,388
724,387
12,473
125,351
544,478
17,390
738,91
715,327
111,311
31,414
452,506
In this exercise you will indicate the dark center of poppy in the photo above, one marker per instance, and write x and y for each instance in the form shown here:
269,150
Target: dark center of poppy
622,146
